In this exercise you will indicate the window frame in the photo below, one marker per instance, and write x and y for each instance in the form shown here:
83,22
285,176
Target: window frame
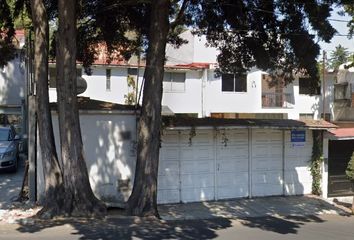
170,82
236,85
108,79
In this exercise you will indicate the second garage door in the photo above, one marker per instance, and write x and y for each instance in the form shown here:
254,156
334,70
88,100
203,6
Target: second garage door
267,162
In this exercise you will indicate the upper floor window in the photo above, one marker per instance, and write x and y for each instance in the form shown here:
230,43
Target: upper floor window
174,82
233,82
108,79
305,87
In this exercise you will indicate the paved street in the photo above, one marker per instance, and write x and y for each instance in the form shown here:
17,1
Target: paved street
10,185
324,227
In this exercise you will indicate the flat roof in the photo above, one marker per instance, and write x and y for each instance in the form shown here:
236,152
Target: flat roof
183,122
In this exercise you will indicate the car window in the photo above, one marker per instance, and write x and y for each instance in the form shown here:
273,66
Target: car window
4,135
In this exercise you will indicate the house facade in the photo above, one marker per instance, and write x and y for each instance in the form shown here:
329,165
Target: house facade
13,87
192,87
340,141
249,139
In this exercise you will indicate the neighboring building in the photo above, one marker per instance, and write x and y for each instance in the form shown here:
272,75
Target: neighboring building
341,141
13,84
191,87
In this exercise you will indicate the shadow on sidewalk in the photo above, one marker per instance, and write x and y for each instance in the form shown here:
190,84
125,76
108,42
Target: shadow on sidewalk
131,227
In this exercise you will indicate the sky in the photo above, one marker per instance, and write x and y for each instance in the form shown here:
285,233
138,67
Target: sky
341,28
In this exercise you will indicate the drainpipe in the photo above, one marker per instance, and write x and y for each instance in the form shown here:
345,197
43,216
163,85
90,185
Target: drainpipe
204,78
324,85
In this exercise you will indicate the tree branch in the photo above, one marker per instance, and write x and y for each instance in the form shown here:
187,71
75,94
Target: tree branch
180,14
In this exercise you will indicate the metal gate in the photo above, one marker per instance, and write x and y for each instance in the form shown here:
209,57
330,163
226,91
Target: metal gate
339,153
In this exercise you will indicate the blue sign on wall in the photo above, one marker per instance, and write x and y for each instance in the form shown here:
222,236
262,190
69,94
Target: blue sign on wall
298,136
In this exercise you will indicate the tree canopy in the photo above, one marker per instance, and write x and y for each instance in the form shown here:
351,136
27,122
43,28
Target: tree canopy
339,56
7,33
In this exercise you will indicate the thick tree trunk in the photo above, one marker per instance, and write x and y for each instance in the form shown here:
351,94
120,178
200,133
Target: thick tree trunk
54,189
142,201
79,198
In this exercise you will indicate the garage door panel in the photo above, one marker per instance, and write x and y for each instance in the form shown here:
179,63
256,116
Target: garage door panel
267,177
168,196
170,138
233,152
197,152
233,179
169,168
197,167
267,162
232,161
201,137
168,182
240,191
169,153
234,137
262,190
197,181
234,166
195,195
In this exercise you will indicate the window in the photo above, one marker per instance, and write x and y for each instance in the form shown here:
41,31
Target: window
305,87
306,116
108,79
233,83
327,116
132,71
174,82
53,76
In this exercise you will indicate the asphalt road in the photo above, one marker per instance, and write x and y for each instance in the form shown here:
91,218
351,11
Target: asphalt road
315,228
10,185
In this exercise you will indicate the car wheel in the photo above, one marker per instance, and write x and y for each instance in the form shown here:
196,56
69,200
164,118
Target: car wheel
14,168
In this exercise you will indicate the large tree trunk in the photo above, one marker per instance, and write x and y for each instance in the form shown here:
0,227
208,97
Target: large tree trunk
142,201
53,179
80,200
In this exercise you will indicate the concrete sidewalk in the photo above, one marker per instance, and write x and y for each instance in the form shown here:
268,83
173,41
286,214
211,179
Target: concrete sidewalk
248,208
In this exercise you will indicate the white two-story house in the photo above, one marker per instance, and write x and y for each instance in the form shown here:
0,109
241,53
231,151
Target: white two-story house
191,87
204,158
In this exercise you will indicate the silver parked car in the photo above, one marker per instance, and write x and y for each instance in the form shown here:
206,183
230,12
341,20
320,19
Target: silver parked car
9,154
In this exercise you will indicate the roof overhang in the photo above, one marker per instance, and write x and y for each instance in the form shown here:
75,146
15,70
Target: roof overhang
341,134
180,123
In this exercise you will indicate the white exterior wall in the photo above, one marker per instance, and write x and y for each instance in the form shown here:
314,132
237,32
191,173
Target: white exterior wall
189,101
96,84
194,50
109,157
12,82
203,93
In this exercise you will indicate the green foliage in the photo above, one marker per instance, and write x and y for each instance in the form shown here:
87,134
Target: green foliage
350,168
130,98
7,33
316,162
339,56
270,35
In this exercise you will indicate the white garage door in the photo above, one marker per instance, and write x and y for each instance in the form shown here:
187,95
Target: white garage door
232,164
168,177
197,166
267,162
297,174
202,167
